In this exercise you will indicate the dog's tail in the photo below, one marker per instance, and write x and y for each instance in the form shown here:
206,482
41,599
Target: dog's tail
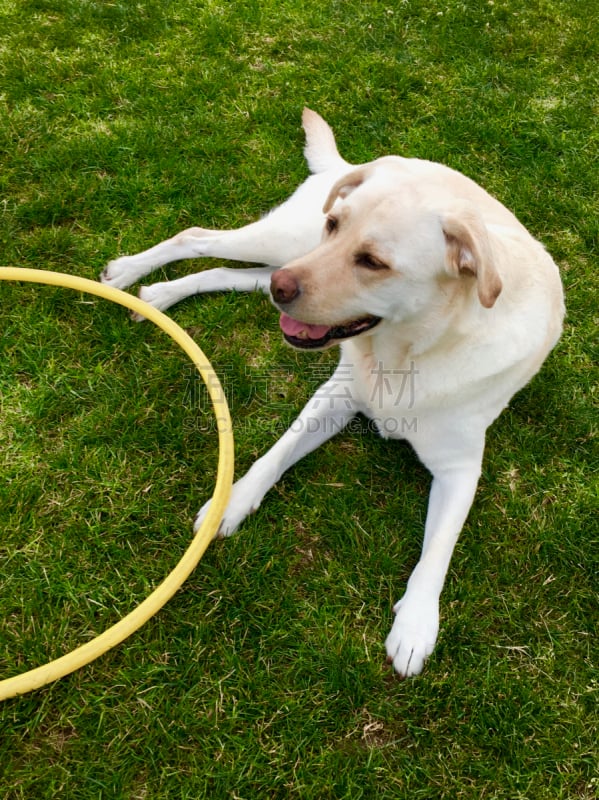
320,150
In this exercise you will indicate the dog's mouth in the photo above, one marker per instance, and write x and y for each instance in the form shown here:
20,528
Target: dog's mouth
312,337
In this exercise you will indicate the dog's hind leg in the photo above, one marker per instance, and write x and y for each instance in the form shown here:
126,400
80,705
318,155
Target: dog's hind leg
288,232
165,294
244,244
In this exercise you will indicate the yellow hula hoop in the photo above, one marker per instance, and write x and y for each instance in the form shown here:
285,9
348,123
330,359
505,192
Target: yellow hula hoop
53,670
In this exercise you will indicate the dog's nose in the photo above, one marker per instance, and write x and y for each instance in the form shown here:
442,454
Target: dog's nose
284,286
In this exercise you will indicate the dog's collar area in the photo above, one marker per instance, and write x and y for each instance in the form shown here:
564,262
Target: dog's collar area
312,337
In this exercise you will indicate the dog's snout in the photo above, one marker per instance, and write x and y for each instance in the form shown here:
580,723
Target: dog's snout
284,286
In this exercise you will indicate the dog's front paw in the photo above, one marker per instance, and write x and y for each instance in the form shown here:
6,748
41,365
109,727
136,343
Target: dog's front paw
227,525
119,273
242,503
413,635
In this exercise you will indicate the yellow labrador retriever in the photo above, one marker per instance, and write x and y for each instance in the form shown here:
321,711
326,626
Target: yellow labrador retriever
441,302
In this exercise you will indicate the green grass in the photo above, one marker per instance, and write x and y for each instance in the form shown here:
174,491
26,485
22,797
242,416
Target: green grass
121,123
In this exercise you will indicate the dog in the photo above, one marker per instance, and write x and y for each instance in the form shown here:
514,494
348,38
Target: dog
442,305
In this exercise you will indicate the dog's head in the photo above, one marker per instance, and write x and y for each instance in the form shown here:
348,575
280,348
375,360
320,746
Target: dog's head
393,246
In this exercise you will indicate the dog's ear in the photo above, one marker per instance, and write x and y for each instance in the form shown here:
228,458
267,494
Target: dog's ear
468,250
345,186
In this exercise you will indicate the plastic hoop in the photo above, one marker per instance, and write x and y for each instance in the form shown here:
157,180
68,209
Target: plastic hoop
53,670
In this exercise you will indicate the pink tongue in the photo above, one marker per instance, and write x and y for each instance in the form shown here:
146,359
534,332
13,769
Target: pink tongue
302,330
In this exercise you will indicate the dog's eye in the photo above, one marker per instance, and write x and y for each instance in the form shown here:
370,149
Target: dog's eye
331,224
368,261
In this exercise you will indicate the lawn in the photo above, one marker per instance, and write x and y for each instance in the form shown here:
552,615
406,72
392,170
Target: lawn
265,676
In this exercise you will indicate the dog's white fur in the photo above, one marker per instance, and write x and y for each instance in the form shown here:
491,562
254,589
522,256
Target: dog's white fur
470,306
